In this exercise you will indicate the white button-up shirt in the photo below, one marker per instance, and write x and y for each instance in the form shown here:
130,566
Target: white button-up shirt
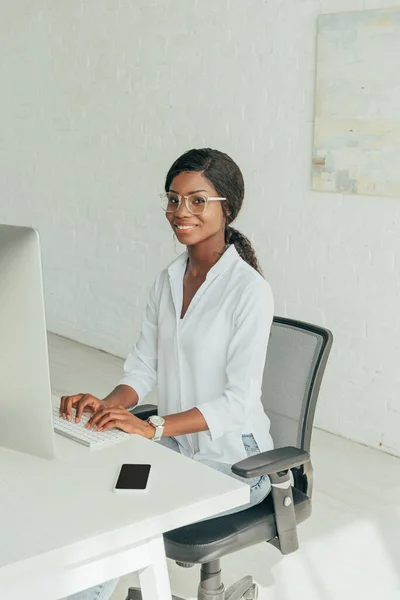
212,359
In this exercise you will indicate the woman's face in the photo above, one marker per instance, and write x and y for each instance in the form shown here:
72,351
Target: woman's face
192,229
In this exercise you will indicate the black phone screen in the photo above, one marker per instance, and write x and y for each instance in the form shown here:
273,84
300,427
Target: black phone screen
133,477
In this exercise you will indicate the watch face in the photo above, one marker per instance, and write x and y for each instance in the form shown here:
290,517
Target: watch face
157,421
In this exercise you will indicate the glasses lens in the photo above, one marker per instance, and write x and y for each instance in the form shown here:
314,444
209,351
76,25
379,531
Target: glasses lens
197,204
170,202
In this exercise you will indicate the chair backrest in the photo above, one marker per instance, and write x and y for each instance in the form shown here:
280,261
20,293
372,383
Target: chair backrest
296,359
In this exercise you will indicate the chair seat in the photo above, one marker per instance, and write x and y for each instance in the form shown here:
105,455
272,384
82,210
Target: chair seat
210,540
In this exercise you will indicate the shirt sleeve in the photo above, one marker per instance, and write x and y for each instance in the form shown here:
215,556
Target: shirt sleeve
245,362
140,368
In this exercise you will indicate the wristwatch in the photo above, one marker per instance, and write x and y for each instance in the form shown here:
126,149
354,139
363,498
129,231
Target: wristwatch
158,424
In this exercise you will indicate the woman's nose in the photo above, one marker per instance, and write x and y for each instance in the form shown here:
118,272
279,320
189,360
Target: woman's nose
183,210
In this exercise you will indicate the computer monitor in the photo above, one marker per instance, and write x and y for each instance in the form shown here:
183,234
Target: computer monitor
25,394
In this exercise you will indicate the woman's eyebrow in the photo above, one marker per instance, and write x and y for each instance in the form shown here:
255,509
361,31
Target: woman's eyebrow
190,193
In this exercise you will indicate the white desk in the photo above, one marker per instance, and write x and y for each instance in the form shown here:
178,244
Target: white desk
63,529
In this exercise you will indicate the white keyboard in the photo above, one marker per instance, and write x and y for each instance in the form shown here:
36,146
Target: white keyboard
87,437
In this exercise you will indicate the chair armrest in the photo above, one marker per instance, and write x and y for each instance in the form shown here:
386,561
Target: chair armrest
272,461
144,411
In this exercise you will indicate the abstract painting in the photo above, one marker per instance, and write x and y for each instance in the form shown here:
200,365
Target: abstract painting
357,104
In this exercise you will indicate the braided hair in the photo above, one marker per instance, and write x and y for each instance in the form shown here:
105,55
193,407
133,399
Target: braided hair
227,180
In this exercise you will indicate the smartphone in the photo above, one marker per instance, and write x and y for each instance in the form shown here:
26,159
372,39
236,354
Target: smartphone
132,477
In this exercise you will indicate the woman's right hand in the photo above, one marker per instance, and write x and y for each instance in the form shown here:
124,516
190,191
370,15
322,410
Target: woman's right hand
80,402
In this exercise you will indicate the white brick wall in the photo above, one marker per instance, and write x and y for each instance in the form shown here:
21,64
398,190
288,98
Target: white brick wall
97,99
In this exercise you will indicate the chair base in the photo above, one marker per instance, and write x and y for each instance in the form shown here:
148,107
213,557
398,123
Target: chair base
243,589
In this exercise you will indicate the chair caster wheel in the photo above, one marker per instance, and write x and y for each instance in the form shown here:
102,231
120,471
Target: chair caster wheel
252,593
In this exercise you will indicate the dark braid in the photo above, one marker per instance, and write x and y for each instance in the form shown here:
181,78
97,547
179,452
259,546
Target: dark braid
243,246
227,180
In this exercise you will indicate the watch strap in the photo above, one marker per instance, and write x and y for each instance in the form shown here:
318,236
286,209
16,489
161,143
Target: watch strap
158,433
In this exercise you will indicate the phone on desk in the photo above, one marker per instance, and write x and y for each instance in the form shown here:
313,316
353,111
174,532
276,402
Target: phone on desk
132,478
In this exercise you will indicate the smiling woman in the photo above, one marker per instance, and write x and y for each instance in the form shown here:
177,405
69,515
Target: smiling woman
204,334
207,176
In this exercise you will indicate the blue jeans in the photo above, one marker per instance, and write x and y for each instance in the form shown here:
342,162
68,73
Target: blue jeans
259,489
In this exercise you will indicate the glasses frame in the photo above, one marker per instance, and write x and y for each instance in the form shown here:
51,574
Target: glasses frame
186,198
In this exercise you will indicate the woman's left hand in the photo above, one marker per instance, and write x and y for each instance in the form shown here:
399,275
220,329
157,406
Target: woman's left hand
110,418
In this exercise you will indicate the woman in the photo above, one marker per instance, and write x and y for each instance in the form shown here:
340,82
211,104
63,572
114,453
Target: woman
204,335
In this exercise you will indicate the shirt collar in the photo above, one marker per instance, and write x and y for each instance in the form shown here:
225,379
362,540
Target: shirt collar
230,256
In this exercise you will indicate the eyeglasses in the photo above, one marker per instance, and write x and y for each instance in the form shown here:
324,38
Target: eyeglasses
195,203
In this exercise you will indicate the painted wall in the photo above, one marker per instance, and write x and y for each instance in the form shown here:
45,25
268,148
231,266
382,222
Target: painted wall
98,98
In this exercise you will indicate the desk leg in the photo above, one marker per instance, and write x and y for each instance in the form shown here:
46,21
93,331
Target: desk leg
154,579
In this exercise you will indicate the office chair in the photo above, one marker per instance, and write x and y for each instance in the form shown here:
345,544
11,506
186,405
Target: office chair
296,359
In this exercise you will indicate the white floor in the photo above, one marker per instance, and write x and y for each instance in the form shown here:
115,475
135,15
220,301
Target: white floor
350,547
